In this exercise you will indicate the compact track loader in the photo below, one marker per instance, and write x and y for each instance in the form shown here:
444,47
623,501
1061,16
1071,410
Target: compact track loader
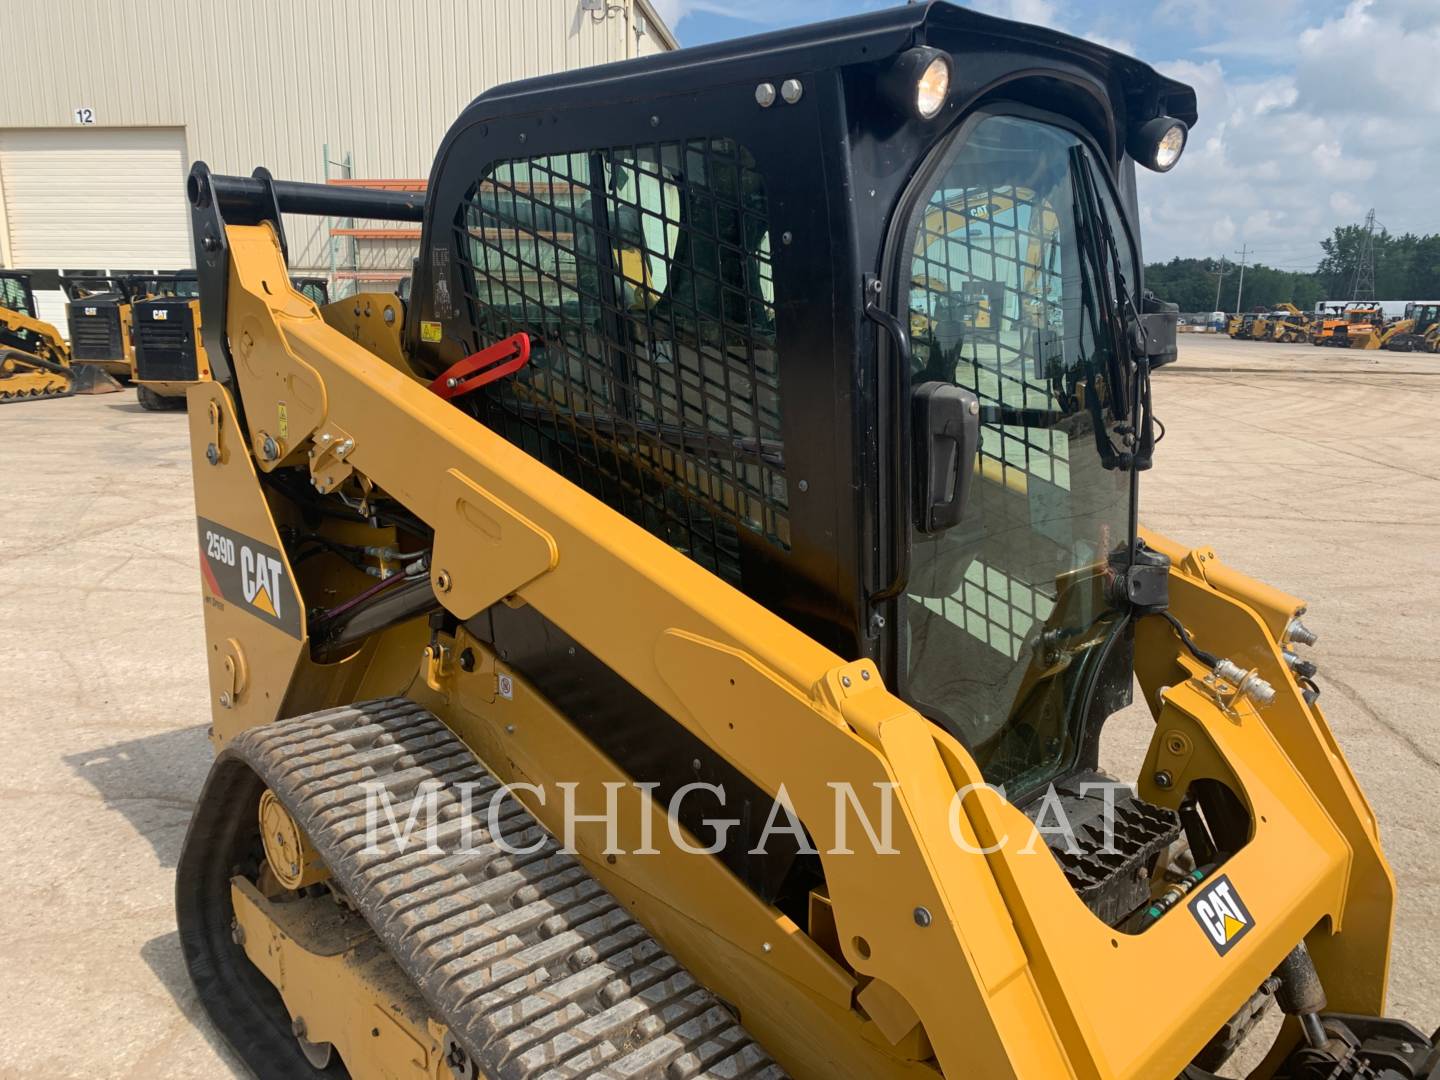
641,655
98,314
34,361
34,358
313,288
168,353
1418,330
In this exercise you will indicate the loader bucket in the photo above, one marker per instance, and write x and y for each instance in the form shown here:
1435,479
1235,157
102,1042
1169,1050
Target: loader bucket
92,379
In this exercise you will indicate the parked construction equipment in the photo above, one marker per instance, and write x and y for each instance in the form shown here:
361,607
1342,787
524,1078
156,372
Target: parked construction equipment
1419,330
649,493
1289,324
98,314
1353,321
34,359
168,351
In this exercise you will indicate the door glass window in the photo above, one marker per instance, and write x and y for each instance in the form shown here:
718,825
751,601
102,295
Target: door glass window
1006,609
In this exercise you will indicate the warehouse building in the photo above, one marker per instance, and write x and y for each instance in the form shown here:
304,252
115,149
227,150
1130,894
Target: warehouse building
107,104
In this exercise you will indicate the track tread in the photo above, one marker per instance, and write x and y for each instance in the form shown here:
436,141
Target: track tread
536,969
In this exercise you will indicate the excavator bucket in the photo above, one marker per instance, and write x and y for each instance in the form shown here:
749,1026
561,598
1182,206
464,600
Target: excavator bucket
90,379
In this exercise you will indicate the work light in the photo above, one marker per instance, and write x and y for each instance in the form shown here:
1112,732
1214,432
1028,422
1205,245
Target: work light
1157,144
933,86
918,82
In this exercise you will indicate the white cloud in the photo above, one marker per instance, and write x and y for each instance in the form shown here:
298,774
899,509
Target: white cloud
672,11
1039,12
1277,162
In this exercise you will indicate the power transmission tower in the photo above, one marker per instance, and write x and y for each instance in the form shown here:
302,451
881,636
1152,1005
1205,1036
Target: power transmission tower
1219,280
1240,288
1362,282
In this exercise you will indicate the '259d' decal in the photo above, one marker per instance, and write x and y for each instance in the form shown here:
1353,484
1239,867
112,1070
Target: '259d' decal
252,575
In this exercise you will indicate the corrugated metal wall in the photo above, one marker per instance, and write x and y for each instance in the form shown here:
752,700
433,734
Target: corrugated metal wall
272,82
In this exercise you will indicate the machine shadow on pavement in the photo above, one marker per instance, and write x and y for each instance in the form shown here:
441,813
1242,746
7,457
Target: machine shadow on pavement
162,955
152,781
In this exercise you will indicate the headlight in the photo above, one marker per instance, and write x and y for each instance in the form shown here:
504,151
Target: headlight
918,82
1157,144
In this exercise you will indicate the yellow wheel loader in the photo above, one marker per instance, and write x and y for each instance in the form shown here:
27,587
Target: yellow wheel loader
640,656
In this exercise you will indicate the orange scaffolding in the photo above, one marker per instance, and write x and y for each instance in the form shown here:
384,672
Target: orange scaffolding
375,233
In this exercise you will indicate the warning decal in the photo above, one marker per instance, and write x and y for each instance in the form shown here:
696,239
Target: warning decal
242,571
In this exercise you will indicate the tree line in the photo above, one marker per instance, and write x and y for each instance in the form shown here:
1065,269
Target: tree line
1407,267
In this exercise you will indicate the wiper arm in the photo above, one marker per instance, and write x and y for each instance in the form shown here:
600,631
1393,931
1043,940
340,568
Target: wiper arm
1099,242
1131,406
1097,314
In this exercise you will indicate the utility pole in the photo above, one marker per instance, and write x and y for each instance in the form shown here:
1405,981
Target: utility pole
1240,288
1219,280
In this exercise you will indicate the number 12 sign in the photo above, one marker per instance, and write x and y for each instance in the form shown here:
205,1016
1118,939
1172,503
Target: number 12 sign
84,115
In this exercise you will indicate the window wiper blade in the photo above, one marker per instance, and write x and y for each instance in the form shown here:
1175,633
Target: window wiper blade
1141,423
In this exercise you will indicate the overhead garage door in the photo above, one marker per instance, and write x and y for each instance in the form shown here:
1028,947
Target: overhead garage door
90,197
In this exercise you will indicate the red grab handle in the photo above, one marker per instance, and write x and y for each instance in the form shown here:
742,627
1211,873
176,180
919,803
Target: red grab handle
483,367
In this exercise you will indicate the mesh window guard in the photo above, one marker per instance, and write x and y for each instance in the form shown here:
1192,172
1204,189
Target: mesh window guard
985,310
644,274
12,294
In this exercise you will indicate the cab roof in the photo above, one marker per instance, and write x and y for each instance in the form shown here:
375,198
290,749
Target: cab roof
838,43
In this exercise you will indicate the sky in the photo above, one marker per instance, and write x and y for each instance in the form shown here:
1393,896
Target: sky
1311,111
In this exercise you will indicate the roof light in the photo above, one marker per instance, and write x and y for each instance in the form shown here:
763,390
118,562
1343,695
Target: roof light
918,82
1157,144
933,87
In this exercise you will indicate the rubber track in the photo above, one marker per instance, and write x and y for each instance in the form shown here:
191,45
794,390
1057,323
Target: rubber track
539,973
9,398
